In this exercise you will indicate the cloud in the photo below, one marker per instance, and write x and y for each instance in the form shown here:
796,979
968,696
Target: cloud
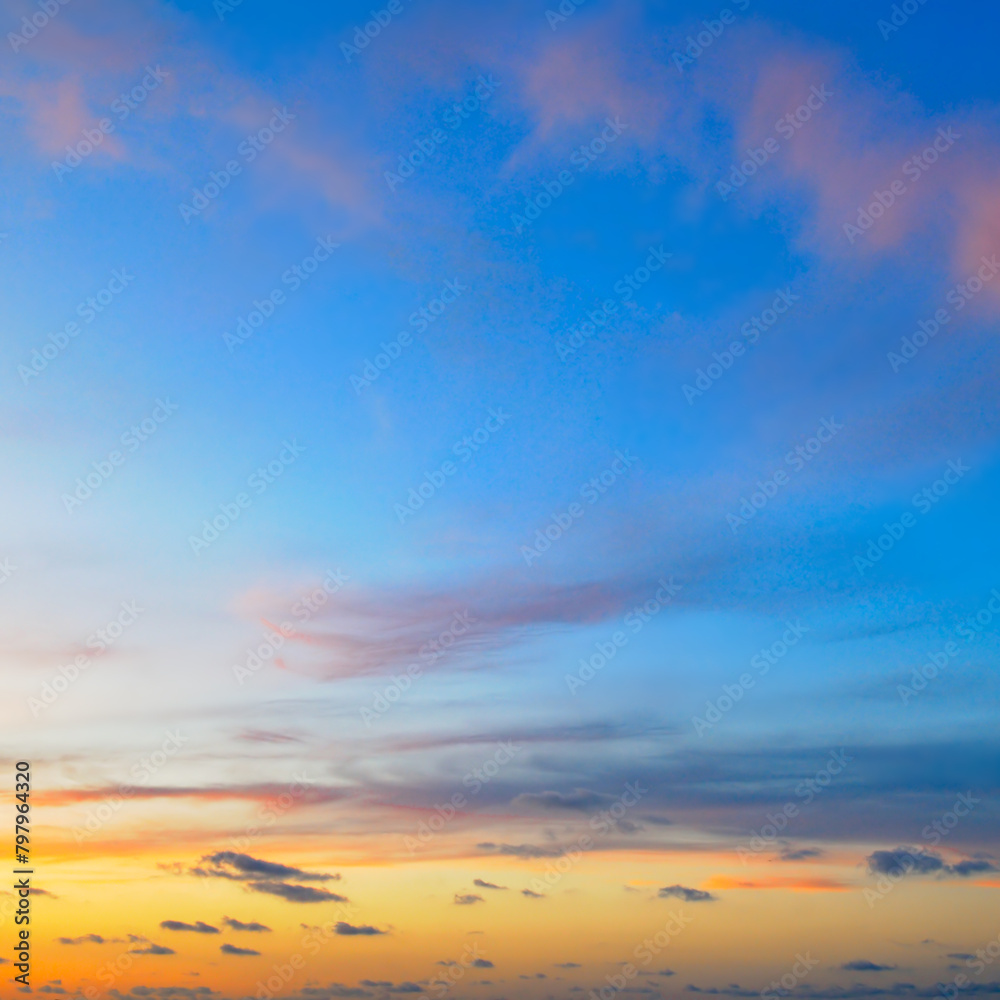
973,866
231,949
905,861
482,963
263,792
467,900
916,861
83,939
232,865
168,992
153,949
581,799
688,895
351,930
297,893
567,965
527,851
863,965
238,925
817,884
486,885
197,928
800,854
532,895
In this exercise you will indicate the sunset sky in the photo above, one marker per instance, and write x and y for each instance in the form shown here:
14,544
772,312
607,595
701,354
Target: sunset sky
501,498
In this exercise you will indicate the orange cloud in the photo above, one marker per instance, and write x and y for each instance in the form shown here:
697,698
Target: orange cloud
777,882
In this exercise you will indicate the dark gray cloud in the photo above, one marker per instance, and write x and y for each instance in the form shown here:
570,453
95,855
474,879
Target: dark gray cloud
527,851
482,963
580,799
242,867
532,895
800,854
487,885
863,965
297,893
467,899
198,927
350,930
85,939
153,949
916,861
688,895
238,925
231,949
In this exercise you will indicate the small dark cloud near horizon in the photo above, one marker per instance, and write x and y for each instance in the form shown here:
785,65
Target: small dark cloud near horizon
486,885
351,930
467,899
231,949
688,895
239,925
199,927
863,965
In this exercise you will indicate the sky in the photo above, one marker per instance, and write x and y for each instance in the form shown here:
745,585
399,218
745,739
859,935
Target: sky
500,499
